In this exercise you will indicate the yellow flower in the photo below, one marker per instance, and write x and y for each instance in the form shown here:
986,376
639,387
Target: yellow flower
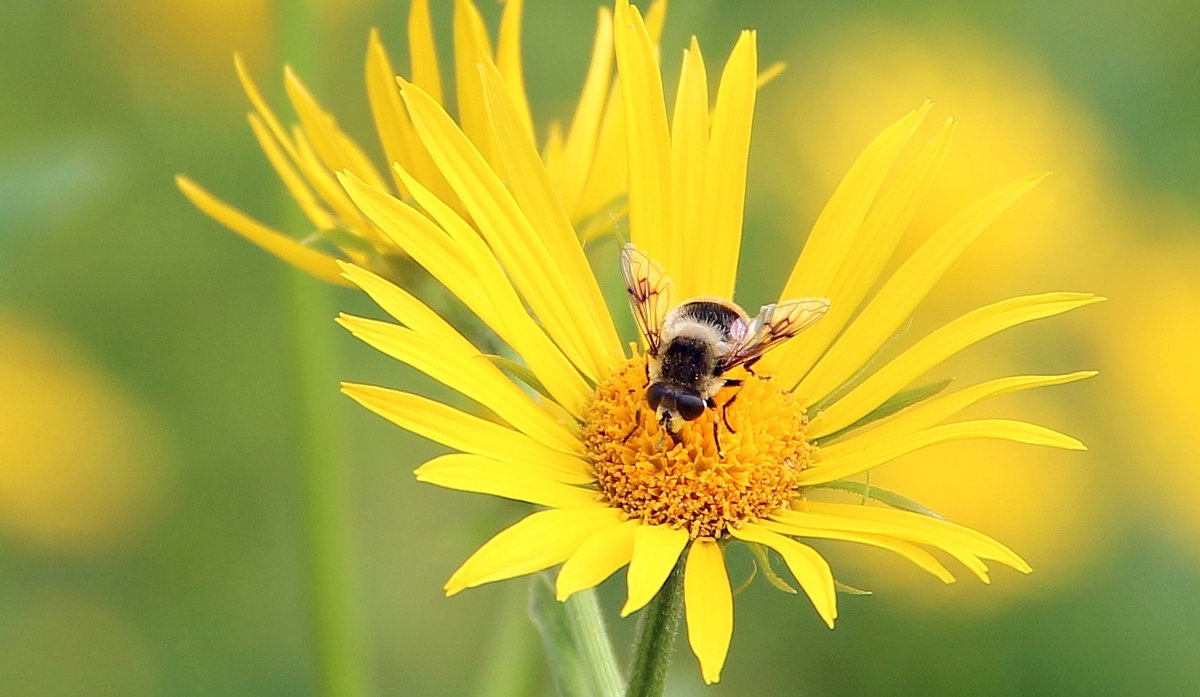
617,487
585,162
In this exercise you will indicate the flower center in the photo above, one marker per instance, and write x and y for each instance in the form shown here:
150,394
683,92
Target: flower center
697,480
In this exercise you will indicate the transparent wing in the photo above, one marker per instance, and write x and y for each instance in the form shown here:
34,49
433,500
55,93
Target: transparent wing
649,293
774,324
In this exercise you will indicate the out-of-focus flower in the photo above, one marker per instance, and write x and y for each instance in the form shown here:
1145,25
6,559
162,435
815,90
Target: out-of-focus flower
84,466
585,161
630,485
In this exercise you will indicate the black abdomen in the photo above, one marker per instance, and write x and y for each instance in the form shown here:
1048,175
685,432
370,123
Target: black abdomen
713,314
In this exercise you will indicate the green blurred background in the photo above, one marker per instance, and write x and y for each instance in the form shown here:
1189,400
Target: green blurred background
151,513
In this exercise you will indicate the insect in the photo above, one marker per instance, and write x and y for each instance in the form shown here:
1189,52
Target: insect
691,346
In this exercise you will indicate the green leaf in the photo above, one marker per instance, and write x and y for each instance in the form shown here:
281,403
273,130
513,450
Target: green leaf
763,555
897,402
848,589
749,579
520,372
884,496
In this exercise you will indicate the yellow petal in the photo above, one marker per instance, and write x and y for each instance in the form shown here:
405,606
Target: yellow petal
306,259
326,184
837,465
725,175
579,149
937,410
708,602
608,176
423,51
508,478
508,61
599,557
334,148
316,214
478,379
680,254
396,133
869,252
937,347
461,431
471,46
957,540
893,304
838,225
656,548
922,559
534,272
809,568
806,564
456,256
537,541
649,150
530,185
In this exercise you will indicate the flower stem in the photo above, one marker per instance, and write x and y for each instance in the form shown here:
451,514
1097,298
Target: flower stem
339,656
655,636
576,641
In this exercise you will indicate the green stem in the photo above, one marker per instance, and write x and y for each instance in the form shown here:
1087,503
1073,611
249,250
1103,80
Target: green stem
575,637
655,636
340,665
325,493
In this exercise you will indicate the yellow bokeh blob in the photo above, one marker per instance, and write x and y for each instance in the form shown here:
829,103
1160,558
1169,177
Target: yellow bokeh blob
83,467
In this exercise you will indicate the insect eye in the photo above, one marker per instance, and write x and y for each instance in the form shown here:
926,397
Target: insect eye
690,406
655,395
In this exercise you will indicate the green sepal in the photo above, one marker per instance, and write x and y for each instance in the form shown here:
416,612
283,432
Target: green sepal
849,590
897,402
884,496
763,555
518,371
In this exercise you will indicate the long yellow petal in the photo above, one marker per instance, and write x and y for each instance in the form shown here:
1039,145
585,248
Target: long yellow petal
537,541
535,273
508,61
922,559
599,557
531,186
476,378
681,254
330,144
869,252
456,256
306,259
837,465
893,304
937,347
725,175
906,525
708,601
313,210
510,479
471,46
396,134
806,564
423,51
579,149
649,145
462,431
608,176
937,410
837,226
656,548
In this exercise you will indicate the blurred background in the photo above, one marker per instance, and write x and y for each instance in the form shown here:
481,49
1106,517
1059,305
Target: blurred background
152,537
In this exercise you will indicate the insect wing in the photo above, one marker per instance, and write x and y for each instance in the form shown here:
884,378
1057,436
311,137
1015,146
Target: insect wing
649,294
774,324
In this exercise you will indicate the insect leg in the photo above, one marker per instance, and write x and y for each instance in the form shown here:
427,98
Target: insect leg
637,423
712,404
725,406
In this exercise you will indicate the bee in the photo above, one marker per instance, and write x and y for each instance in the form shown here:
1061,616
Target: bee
691,346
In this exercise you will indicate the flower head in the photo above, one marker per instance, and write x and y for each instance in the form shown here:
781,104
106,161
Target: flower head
572,428
584,162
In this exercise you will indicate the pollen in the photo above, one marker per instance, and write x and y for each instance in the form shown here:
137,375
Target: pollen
698,480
